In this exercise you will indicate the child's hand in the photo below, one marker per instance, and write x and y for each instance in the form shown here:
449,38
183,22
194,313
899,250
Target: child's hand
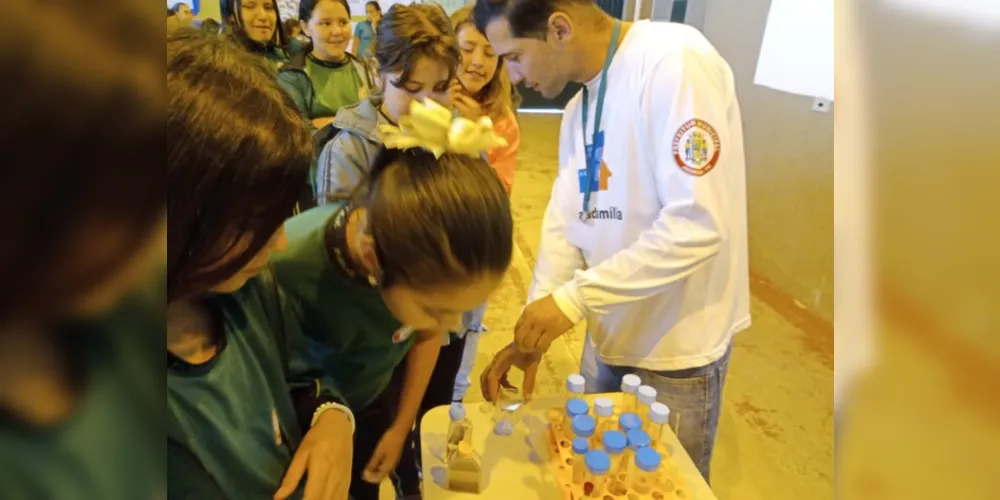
326,453
386,455
465,105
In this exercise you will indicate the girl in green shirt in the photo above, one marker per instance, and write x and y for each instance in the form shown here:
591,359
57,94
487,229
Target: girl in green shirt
247,414
384,274
324,76
82,234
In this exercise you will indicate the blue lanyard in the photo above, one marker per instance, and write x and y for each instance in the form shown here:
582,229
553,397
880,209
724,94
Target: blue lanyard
592,159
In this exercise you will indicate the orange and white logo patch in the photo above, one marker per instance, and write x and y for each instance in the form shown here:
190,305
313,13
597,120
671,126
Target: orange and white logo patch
696,147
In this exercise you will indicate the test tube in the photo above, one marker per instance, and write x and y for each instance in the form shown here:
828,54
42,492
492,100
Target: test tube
659,414
574,408
580,449
630,384
583,426
604,410
629,421
645,397
598,464
615,444
646,470
637,439
575,385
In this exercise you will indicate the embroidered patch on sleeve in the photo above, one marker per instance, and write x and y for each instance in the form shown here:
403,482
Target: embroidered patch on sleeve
696,147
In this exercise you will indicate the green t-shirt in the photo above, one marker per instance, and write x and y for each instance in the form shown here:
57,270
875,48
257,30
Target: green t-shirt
233,427
110,447
335,85
351,330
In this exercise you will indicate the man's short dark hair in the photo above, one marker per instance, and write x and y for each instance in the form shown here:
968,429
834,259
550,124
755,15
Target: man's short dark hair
527,18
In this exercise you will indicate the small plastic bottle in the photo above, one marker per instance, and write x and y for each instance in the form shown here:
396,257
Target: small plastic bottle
630,385
604,410
646,471
659,414
645,397
574,408
629,421
580,449
637,440
598,464
459,429
575,384
615,444
583,427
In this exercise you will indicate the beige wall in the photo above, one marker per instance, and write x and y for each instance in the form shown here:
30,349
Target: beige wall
789,151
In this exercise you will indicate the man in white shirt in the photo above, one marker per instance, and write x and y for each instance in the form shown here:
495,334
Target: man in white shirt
645,234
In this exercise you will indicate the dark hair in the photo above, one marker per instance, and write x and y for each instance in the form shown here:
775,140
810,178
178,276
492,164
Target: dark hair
409,32
79,167
233,18
306,8
437,221
375,4
211,25
238,154
526,18
176,7
289,25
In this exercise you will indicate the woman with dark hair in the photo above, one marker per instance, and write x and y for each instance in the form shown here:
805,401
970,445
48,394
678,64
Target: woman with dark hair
388,272
256,25
235,164
325,77
83,236
364,32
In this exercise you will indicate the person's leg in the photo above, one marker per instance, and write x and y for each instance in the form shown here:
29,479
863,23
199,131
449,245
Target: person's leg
439,392
694,396
370,424
472,322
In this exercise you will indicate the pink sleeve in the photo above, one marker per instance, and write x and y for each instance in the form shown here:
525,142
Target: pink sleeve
504,159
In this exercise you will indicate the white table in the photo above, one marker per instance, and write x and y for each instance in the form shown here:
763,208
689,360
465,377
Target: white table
517,467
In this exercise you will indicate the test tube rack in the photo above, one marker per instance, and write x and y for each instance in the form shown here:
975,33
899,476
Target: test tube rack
669,485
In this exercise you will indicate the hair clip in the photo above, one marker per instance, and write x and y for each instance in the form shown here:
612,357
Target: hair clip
435,128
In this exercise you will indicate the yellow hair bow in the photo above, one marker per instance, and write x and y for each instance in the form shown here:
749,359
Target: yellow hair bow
433,127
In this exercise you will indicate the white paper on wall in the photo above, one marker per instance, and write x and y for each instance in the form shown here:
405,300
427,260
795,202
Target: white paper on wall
797,52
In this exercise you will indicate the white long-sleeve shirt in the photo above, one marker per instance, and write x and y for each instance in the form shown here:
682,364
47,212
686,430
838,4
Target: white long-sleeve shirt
659,269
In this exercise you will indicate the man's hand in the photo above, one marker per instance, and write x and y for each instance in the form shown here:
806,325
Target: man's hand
386,455
495,374
541,322
326,453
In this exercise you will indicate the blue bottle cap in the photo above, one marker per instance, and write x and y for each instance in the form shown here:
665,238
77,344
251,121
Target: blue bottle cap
598,462
581,446
637,438
576,406
615,442
584,425
647,459
629,421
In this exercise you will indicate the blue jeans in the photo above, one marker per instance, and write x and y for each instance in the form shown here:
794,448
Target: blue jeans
472,322
693,394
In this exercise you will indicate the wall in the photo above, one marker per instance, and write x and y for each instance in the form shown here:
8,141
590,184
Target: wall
789,164
209,9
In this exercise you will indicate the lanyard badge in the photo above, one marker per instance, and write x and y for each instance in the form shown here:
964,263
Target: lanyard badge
594,152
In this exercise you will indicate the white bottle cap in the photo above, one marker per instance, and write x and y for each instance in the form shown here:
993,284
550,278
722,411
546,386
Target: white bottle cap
604,407
659,413
630,383
647,395
575,383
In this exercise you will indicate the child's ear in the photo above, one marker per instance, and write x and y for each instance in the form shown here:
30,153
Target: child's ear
368,256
